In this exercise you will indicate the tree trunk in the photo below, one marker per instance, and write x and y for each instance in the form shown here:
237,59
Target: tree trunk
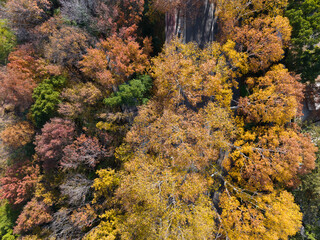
192,23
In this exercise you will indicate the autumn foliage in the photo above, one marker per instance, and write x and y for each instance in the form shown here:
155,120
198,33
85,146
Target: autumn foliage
19,182
275,97
167,6
270,155
188,147
85,151
252,38
263,218
115,60
185,74
27,13
55,135
18,134
66,46
18,79
110,131
78,99
34,213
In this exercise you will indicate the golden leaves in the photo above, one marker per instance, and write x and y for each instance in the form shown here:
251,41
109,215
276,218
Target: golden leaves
18,134
188,145
185,74
276,155
271,216
234,12
275,97
163,202
263,39
105,184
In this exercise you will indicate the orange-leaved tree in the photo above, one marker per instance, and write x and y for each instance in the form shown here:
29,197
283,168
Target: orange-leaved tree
18,79
18,134
115,60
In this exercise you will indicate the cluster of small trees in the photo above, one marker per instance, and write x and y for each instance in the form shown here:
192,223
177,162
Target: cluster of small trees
198,142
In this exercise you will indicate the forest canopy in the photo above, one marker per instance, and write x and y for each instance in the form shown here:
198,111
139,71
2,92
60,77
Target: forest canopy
157,119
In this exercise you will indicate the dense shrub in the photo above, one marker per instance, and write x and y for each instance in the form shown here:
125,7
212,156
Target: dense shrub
47,98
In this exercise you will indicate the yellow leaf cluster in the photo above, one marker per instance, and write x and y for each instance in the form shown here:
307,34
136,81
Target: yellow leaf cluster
163,203
107,229
275,97
275,154
271,216
184,73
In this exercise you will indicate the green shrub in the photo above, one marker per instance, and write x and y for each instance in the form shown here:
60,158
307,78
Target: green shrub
135,92
47,98
7,40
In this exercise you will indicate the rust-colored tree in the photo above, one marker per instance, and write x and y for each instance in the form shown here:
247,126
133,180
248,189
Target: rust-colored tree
274,98
85,151
19,181
119,17
265,157
264,39
67,45
34,213
24,15
18,134
115,60
27,13
18,79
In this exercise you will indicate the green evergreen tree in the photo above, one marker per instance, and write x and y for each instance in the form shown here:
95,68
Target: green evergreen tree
135,92
47,98
7,220
304,54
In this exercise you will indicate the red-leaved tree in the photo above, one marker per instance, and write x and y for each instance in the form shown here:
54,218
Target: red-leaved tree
83,151
35,213
121,17
55,135
19,182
